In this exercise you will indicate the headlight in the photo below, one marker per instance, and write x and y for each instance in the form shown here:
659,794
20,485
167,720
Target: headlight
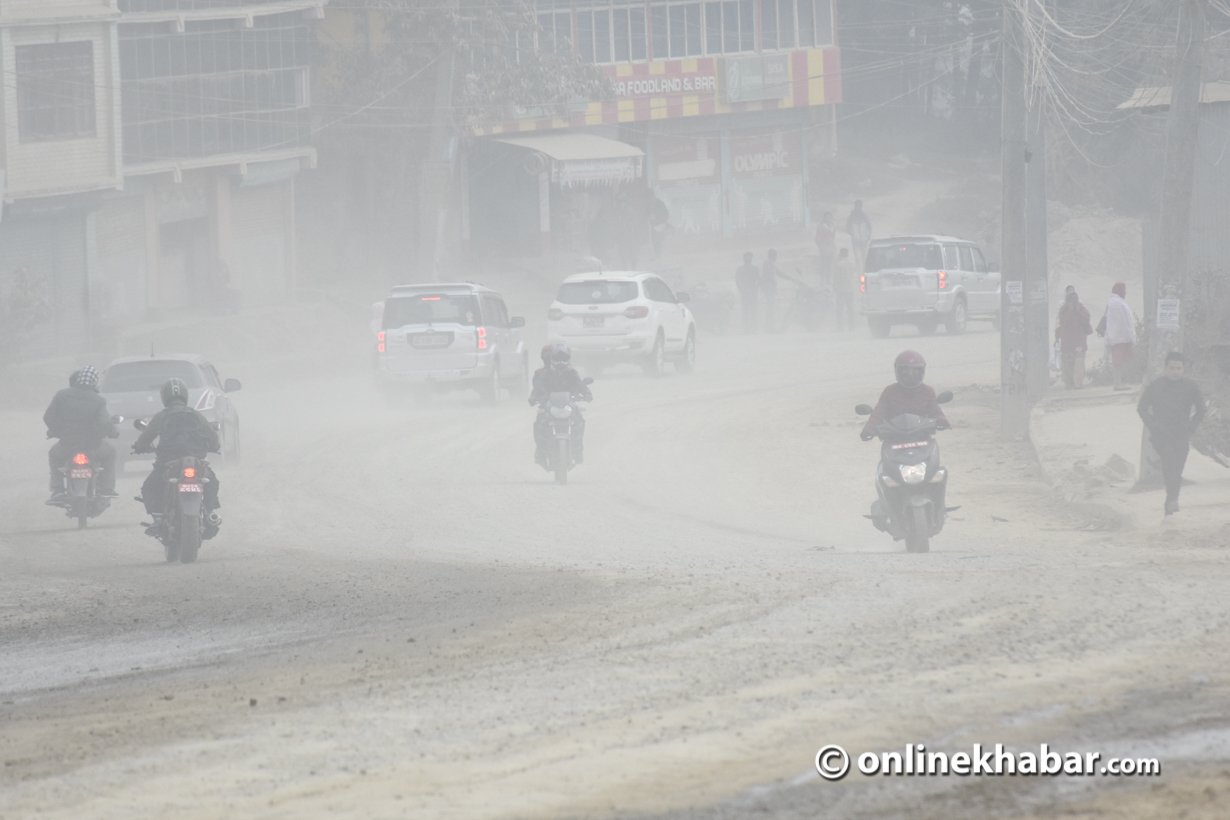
913,473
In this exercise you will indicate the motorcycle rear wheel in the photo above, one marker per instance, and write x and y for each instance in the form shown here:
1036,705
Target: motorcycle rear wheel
563,458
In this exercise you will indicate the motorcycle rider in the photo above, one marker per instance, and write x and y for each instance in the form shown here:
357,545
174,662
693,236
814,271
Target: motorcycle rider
907,395
181,432
78,417
557,376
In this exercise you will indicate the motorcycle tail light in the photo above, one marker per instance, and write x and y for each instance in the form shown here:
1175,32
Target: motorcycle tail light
190,472
637,312
942,276
81,458
862,283
482,338
380,342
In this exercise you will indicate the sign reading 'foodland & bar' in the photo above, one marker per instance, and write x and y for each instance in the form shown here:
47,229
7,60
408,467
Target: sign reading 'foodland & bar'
651,86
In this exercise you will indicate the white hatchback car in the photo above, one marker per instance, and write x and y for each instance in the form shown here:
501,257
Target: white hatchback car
624,317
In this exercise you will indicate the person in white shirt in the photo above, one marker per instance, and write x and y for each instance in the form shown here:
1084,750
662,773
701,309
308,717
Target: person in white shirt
1118,327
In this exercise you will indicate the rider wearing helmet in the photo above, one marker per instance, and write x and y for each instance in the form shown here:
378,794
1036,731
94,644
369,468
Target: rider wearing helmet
78,417
907,395
181,432
557,376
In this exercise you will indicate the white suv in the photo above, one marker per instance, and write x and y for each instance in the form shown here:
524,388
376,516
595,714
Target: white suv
623,316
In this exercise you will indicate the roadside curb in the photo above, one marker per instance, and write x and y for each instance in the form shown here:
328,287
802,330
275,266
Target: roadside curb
1100,515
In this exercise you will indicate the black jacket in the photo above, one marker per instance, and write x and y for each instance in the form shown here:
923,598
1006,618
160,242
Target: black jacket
1171,409
181,431
548,380
78,415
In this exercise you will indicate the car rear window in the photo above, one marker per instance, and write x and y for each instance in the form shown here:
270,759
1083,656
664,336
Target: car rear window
909,255
597,292
140,377
431,308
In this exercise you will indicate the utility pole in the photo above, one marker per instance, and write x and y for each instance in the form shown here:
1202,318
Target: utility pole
1014,399
436,181
1037,273
1166,280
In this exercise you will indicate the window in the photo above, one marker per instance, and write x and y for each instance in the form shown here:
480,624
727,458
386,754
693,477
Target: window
585,35
713,28
149,375
661,36
884,257
967,258
952,260
430,308
768,23
658,291
55,91
596,293
602,36
785,22
807,23
678,32
494,312
623,44
638,35
980,262
747,24
824,22
695,33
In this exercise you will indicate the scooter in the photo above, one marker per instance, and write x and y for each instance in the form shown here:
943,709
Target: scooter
910,483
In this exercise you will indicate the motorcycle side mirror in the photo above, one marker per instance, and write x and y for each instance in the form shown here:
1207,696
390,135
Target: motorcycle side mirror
117,419
944,398
682,297
587,380
232,385
141,424
863,409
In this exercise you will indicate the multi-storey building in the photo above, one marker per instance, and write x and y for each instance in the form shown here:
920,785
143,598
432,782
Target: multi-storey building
59,149
721,108
215,97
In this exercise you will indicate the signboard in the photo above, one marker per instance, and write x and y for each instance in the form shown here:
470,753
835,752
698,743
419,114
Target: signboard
1016,292
575,172
764,154
757,78
694,83
1168,314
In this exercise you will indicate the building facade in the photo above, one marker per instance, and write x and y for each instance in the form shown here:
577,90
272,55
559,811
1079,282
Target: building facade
59,154
215,127
728,103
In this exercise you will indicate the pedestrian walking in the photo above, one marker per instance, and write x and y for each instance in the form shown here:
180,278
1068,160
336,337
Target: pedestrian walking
826,243
844,282
747,280
1118,327
769,273
1172,407
1072,331
858,225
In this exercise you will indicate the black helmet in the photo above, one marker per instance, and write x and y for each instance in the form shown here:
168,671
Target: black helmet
910,367
72,378
561,355
546,353
86,377
174,391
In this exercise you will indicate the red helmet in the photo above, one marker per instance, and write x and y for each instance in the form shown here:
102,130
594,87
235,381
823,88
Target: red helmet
910,368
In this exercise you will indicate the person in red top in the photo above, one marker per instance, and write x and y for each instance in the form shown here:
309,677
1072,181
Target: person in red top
907,395
1072,331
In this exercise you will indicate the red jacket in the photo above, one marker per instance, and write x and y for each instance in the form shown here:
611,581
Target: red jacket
1073,328
896,400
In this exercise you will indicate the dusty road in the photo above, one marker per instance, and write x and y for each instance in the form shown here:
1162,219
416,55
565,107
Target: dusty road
404,618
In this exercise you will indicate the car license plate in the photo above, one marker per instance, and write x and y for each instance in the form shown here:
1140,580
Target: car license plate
81,474
190,488
429,341
594,321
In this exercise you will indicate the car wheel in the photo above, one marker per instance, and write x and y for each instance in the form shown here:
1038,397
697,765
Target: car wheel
655,364
687,359
490,389
956,321
879,328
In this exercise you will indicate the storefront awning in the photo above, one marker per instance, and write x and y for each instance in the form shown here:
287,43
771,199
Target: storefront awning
583,159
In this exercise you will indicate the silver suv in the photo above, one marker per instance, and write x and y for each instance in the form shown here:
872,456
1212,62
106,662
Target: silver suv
450,336
926,280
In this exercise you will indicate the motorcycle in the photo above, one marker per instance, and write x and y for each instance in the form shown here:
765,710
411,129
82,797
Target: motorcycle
910,483
181,524
561,408
81,500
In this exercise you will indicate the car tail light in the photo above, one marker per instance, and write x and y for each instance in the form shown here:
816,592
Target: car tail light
942,276
482,338
555,314
862,283
637,312
190,472
380,342
81,458
431,299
